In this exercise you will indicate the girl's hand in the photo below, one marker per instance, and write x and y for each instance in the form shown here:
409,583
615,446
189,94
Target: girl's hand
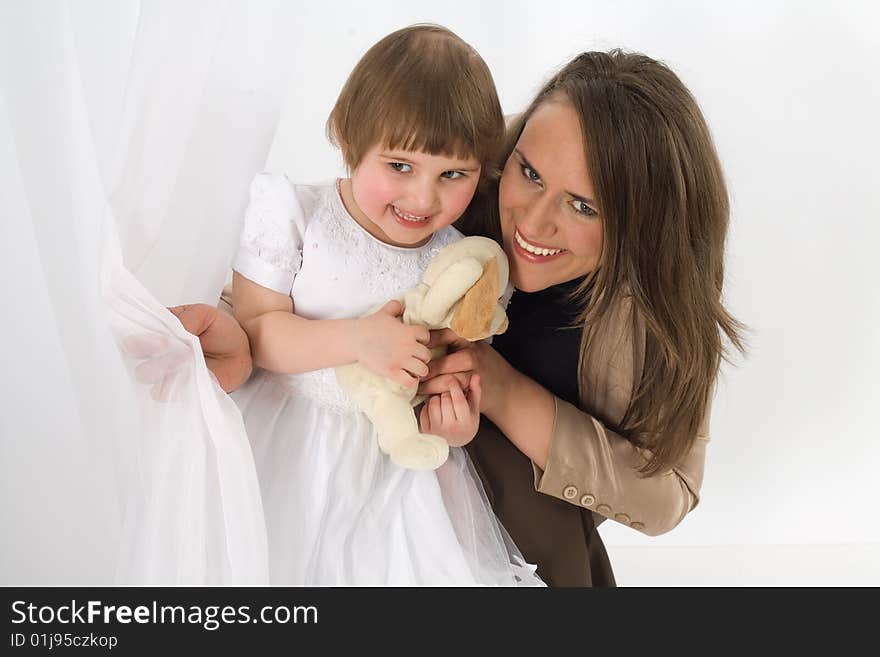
390,348
453,415
464,360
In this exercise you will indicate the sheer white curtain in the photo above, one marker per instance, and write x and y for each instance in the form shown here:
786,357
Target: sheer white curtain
128,135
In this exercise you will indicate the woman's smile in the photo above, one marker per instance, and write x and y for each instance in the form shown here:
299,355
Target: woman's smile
532,250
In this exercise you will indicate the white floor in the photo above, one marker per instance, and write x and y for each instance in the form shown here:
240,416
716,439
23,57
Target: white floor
747,565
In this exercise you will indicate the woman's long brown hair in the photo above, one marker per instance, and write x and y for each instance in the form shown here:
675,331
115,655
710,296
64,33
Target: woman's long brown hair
664,207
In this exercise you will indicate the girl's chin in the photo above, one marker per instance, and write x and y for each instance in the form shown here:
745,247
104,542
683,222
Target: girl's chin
405,237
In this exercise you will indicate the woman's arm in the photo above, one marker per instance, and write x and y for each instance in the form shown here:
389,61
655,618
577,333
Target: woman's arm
224,342
591,466
575,457
521,408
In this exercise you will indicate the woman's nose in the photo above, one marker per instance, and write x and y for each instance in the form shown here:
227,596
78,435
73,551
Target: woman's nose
537,220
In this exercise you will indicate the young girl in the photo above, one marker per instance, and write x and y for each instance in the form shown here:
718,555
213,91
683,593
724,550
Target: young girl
418,123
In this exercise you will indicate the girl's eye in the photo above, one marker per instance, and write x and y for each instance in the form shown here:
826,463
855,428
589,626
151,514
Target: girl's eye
582,208
400,167
451,175
530,173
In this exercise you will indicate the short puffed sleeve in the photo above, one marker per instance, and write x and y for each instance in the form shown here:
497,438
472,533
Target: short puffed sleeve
270,249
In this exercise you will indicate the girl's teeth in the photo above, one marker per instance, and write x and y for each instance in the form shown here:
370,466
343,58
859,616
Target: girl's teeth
534,249
406,215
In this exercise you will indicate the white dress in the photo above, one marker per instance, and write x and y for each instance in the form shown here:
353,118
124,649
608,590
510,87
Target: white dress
338,511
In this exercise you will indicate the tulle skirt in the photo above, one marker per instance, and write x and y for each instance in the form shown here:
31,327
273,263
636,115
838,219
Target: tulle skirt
340,513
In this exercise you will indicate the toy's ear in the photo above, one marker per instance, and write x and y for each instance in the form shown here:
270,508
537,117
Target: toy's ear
473,316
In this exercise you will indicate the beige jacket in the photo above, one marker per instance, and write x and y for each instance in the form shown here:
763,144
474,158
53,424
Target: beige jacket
595,468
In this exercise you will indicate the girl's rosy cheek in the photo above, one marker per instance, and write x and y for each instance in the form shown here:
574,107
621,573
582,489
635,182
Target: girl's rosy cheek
373,185
383,185
464,196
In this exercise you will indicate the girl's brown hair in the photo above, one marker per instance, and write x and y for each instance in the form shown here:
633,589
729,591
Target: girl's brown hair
421,88
664,209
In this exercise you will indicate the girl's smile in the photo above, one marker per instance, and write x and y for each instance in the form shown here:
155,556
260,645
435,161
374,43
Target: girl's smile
408,219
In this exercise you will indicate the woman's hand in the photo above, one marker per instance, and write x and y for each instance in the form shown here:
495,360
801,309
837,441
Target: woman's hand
465,360
224,343
453,415
390,348
523,410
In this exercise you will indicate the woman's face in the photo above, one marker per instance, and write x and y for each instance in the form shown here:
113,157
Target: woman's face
550,222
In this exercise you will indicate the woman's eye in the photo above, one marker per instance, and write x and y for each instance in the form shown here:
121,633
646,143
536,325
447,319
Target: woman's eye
582,208
451,175
530,173
401,167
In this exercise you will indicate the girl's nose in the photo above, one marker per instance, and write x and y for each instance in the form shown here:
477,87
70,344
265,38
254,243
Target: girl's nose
424,197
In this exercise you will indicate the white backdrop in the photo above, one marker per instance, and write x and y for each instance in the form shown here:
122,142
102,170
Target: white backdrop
791,93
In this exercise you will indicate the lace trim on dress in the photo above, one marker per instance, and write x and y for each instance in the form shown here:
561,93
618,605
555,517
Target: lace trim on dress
391,264
319,386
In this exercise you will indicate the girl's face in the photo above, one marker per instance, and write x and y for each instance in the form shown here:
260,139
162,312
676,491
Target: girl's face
550,222
403,197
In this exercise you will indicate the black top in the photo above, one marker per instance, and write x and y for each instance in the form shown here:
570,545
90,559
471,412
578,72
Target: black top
558,536
542,340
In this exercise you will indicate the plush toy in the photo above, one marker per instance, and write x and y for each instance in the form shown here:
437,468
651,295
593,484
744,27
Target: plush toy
460,290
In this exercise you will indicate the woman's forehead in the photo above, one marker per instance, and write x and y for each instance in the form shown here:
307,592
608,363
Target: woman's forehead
556,115
552,141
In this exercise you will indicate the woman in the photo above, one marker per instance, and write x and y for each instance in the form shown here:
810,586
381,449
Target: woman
612,209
